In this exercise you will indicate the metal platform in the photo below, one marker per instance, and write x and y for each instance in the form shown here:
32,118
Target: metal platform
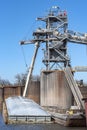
24,110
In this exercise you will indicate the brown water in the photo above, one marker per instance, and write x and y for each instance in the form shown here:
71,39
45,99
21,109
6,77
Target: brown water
3,126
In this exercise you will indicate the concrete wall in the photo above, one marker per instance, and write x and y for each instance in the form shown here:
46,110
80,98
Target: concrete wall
55,90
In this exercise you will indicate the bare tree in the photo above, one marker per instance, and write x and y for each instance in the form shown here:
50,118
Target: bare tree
4,82
20,79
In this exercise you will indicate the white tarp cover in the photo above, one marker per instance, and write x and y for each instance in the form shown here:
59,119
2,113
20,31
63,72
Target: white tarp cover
24,107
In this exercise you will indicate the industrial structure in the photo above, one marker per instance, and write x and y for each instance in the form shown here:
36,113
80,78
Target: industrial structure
55,36
58,91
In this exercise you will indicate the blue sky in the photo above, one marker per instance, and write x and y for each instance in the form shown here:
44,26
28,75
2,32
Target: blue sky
17,21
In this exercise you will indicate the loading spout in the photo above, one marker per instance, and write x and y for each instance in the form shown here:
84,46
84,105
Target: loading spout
31,69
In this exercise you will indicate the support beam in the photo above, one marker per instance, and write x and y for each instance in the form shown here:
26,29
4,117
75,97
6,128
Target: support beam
80,68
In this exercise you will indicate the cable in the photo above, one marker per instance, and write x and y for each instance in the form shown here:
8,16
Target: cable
26,38
24,57
27,34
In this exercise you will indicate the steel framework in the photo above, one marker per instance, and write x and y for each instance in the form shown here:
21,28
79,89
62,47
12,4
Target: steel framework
55,35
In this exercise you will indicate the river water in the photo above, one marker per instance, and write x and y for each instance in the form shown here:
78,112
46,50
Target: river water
3,126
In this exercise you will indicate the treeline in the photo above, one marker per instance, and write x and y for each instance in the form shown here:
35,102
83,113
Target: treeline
20,79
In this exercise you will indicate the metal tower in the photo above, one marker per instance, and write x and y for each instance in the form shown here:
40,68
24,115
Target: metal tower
55,36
